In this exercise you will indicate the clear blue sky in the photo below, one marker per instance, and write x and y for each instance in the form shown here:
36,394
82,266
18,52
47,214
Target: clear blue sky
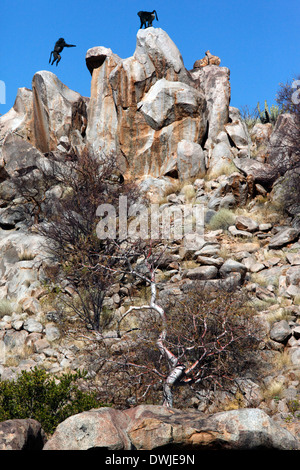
258,40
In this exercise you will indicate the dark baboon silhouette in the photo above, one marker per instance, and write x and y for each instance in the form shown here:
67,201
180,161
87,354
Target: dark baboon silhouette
59,45
147,18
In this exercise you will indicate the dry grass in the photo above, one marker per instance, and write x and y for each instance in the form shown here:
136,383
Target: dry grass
274,390
6,307
221,220
26,255
283,360
226,169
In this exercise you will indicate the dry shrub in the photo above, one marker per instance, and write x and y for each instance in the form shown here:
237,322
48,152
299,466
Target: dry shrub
213,336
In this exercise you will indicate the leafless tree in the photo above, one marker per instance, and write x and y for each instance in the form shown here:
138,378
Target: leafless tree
69,228
198,340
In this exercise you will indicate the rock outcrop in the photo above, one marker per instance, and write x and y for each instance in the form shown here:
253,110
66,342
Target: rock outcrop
49,116
142,107
21,434
166,126
149,427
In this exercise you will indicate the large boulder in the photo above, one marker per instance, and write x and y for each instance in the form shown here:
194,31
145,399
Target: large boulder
19,118
156,50
102,113
215,83
284,237
21,434
149,427
283,147
49,115
260,173
141,107
190,160
237,130
167,102
244,429
18,155
104,427
55,112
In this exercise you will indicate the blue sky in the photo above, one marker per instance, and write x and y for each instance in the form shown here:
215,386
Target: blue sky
257,40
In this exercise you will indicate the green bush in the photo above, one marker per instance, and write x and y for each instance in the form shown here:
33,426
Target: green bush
45,398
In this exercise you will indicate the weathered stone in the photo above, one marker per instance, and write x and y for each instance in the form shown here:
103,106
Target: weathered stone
19,119
202,272
40,344
52,332
256,267
21,434
104,427
296,332
280,331
210,261
261,173
15,341
293,276
261,133
166,101
33,326
230,266
283,237
245,223
190,160
281,148
221,160
149,97
265,227
295,356
237,130
56,120
293,258
18,155
216,86
148,427
239,233
237,429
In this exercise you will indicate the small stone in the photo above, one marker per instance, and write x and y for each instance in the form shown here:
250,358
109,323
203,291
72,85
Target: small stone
33,326
283,237
245,223
17,325
41,344
239,233
296,332
230,266
293,258
210,261
264,227
256,267
202,273
52,332
295,356
280,331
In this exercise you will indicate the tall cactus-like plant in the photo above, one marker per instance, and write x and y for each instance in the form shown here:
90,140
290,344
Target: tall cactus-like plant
268,114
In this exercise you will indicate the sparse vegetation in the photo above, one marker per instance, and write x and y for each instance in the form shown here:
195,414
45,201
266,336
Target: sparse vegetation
213,334
6,307
274,390
44,397
223,219
26,255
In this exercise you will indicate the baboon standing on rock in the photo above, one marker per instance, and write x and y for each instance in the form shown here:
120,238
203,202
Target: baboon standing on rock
147,18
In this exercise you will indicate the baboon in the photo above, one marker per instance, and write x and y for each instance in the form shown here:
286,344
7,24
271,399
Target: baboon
147,17
59,45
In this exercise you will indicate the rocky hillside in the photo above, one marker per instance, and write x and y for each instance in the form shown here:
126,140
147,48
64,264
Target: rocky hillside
174,132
